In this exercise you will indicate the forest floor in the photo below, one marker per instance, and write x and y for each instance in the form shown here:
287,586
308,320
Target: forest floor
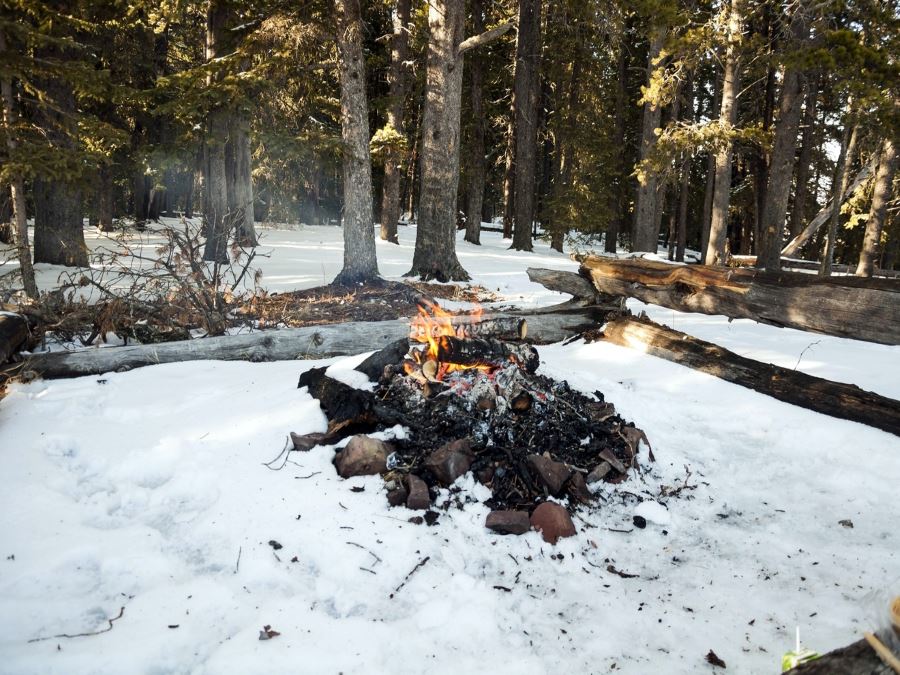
147,491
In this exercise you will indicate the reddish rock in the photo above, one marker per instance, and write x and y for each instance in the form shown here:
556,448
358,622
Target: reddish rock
363,456
552,521
418,498
397,495
552,474
451,461
508,522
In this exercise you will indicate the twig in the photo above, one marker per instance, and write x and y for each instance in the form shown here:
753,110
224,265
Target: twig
314,473
237,565
281,454
811,344
353,543
77,635
415,569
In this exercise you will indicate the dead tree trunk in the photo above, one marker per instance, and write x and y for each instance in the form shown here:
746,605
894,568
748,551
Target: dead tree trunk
836,399
718,232
393,163
862,309
313,342
881,195
839,189
360,264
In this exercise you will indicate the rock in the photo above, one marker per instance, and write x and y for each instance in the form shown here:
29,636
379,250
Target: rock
418,499
552,474
397,495
613,461
508,522
599,472
578,488
552,521
306,442
639,522
451,461
363,456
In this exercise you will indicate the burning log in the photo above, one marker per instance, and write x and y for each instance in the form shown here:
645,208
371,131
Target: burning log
486,352
471,326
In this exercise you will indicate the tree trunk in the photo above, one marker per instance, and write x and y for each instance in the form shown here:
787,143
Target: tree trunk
312,342
801,194
104,198
862,309
845,401
390,197
684,194
793,247
359,238
509,172
435,252
565,150
839,189
527,87
646,228
16,183
718,231
245,232
778,188
709,190
881,195
620,201
475,202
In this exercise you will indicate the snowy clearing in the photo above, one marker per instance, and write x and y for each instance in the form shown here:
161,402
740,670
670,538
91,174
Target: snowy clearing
146,490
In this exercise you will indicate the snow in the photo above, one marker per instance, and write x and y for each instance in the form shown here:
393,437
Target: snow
147,490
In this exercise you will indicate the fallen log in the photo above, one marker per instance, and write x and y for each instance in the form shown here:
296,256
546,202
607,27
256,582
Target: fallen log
851,307
836,399
857,658
478,352
13,333
312,342
810,265
580,288
822,217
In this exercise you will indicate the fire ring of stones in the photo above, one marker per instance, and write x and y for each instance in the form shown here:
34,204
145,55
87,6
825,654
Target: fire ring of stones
468,394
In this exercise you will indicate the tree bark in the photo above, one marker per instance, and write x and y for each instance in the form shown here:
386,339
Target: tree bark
620,201
360,264
527,86
104,197
435,252
16,184
801,194
390,198
718,233
475,201
313,342
509,172
245,231
798,242
778,188
684,196
216,212
862,309
839,189
881,195
646,228
845,401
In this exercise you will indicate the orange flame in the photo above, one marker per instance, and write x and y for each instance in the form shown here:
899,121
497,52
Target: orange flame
435,322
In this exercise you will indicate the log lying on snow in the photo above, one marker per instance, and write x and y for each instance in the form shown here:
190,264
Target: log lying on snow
851,307
845,401
313,342
854,659
13,333
811,265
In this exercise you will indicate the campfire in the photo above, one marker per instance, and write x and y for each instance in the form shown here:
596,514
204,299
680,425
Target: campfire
465,388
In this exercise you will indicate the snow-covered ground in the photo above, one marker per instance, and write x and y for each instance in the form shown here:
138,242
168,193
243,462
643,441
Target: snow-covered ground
146,490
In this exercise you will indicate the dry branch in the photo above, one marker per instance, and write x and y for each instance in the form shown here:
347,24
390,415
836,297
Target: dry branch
851,307
836,399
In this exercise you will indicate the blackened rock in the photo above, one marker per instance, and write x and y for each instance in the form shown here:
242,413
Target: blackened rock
431,518
418,498
553,522
508,522
363,456
451,461
373,366
639,522
553,474
397,496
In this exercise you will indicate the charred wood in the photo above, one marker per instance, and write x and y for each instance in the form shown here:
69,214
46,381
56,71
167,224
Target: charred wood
13,334
486,352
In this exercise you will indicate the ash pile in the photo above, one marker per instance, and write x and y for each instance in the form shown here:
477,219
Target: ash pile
466,391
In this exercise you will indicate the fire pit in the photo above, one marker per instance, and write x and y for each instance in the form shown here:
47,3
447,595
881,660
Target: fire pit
465,388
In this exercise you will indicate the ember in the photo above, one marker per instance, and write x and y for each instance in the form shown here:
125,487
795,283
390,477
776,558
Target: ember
474,402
